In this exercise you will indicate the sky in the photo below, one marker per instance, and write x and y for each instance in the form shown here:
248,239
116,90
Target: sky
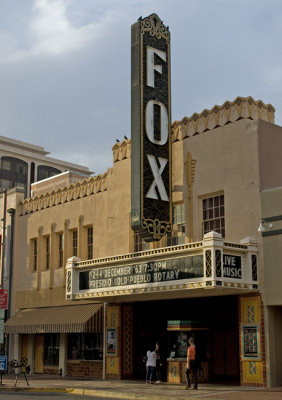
65,66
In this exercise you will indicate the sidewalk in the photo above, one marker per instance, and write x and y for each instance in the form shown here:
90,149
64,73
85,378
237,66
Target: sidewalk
136,389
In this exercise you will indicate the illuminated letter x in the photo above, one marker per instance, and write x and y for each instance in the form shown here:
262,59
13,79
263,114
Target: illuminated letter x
157,173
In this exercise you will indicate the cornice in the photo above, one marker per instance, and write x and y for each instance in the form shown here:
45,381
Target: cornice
121,150
240,108
78,190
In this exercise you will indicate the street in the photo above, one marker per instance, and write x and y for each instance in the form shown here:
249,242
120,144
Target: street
211,395
46,396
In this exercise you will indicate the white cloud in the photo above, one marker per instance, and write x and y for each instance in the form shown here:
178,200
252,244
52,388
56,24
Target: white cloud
51,32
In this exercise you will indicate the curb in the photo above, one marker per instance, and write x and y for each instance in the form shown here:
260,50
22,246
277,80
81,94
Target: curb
90,392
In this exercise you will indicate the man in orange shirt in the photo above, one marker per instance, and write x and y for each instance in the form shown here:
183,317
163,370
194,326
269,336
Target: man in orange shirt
191,365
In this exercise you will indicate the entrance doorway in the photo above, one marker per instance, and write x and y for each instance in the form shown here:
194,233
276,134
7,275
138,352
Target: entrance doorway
218,342
39,354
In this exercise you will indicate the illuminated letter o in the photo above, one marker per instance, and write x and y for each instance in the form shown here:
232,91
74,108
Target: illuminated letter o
149,118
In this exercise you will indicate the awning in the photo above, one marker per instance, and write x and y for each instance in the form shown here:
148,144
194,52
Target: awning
64,319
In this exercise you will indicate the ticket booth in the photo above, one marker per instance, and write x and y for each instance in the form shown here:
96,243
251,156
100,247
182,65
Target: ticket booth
179,332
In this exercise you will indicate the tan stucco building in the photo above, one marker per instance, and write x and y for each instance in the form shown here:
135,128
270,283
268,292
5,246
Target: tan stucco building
90,297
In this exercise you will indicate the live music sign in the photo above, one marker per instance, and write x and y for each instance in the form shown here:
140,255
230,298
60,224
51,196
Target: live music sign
150,128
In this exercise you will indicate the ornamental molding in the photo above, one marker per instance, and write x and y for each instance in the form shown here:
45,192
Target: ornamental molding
200,284
75,191
155,27
156,228
240,108
121,150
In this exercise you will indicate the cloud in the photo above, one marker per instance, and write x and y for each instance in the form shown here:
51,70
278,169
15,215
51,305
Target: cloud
65,66
51,32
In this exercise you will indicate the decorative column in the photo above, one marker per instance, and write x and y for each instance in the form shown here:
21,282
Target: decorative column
39,257
72,277
190,178
213,258
52,253
127,370
63,354
251,270
82,239
66,245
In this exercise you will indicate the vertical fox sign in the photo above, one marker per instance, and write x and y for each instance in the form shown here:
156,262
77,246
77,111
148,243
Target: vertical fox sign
150,128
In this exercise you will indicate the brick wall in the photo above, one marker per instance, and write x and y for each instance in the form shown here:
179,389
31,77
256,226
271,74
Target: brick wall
81,368
50,370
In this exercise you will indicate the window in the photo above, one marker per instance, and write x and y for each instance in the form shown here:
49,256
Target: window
13,173
44,172
34,254
51,349
61,250
90,243
140,244
32,169
85,346
177,236
74,243
213,215
47,252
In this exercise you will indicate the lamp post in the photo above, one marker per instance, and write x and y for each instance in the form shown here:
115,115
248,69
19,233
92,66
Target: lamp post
4,191
11,211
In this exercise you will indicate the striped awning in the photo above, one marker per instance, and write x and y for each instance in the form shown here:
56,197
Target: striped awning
64,319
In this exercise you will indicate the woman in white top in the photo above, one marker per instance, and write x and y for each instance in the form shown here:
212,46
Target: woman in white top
151,366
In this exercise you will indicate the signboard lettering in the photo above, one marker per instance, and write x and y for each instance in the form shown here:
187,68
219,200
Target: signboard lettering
232,267
143,273
150,125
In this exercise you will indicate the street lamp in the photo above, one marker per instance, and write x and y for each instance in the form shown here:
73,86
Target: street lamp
4,191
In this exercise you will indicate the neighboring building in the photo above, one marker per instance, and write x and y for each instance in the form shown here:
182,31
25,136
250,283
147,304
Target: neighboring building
23,164
90,297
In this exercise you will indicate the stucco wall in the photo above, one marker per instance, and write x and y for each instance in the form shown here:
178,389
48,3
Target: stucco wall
226,162
108,211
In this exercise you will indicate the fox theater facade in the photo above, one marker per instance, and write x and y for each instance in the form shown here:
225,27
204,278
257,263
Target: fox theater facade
162,247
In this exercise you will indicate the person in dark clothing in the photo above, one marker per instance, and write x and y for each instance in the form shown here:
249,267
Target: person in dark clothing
158,364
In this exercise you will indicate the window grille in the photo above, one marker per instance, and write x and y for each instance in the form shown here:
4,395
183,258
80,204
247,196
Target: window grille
213,215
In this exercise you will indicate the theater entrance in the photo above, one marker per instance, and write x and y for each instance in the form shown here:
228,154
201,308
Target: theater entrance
212,321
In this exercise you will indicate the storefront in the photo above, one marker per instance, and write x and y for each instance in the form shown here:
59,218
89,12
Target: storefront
66,340
166,296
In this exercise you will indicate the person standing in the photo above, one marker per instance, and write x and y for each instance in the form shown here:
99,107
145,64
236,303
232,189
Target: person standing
191,366
158,364
151,366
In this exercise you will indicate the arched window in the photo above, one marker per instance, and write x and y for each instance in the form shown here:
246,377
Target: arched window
13,173
32,169
44,171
